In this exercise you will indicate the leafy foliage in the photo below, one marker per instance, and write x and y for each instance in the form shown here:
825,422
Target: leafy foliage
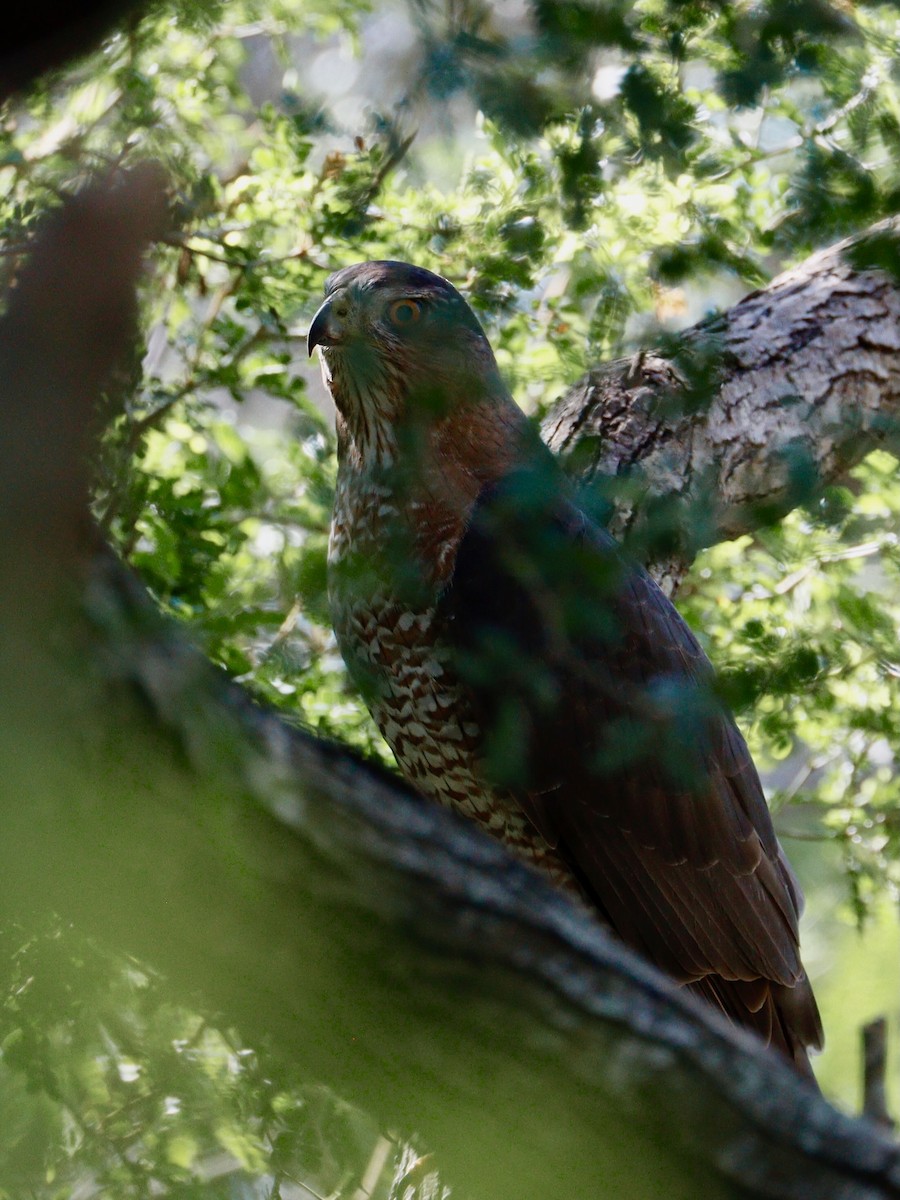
807,644
588,174
111,1088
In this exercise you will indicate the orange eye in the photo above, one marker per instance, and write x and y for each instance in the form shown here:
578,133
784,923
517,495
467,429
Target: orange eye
404,312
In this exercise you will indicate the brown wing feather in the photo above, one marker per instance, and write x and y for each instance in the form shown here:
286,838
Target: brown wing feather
634,771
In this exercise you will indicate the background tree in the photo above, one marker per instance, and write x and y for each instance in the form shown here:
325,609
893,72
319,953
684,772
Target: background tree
593,178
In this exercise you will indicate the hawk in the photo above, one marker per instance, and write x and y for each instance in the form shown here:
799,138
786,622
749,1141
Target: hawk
529,676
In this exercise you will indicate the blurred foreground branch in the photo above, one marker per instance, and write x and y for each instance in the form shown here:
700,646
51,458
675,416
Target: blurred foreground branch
374,942
45,36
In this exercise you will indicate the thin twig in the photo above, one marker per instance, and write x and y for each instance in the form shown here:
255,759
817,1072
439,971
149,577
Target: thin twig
874,1040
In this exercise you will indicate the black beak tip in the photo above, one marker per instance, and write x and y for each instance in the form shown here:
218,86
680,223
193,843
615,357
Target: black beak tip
318,330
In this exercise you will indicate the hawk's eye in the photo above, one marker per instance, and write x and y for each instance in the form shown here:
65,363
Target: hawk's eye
404,312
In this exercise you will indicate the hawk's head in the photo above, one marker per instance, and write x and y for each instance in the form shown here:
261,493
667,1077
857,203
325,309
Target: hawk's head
396,342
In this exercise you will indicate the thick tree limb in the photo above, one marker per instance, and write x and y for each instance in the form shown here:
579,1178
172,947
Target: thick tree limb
375,942
779,396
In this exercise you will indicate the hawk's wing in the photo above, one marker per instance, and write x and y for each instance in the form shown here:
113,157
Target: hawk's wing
601,716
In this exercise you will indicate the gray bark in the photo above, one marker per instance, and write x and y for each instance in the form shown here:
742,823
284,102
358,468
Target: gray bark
375,942
753,411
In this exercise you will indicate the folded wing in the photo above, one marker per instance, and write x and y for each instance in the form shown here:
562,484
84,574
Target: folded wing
602,718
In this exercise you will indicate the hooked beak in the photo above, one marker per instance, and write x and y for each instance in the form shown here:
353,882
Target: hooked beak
323,331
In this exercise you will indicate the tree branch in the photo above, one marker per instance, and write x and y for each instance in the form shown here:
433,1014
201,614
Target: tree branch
754,411
874,1040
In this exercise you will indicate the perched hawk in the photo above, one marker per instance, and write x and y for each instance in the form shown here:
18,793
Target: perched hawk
525,673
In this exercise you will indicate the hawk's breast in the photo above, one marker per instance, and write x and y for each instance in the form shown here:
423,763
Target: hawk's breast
404,670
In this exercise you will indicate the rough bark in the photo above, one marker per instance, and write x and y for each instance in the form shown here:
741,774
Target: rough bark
375,942
751,412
